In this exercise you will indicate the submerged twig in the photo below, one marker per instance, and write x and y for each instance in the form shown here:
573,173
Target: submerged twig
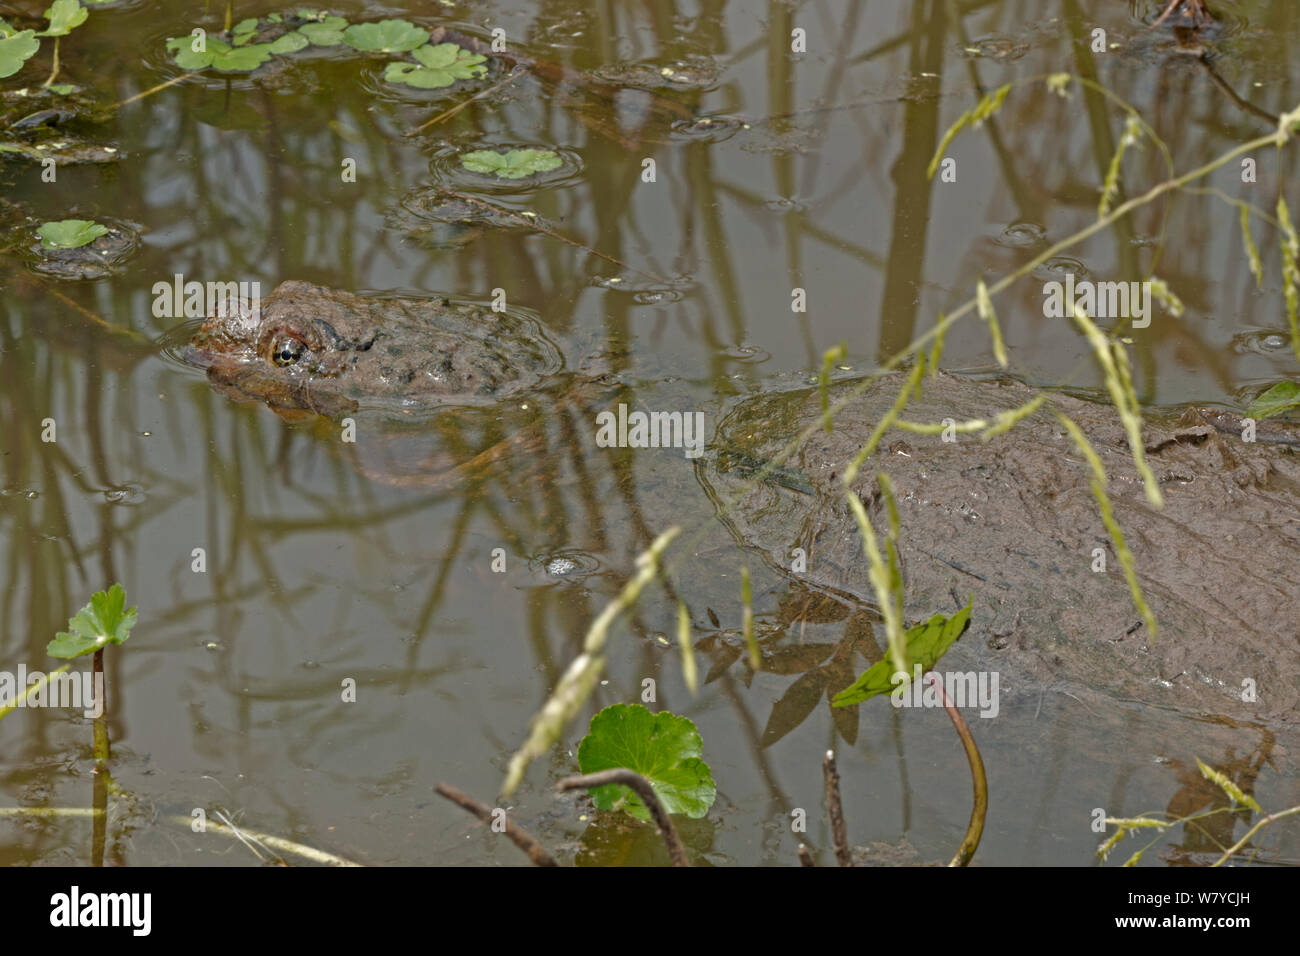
448,114
805,858
532,223
835,810
269,840
641,785
517,834
979,782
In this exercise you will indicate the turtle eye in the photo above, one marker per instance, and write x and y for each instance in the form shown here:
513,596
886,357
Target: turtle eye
286,349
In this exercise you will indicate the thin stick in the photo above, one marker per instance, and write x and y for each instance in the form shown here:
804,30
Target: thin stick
546,231
975,829
448,114
1227,855
643,790
267,840
835,810
152,90
805,858
517,834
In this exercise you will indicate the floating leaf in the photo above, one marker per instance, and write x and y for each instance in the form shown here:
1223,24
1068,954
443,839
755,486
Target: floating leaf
16,49
327,32
245,26
442,65
515,164
926,643
1279,398
69,233
64,17
664,748
289,43
219,55
62,89
105,620
386,36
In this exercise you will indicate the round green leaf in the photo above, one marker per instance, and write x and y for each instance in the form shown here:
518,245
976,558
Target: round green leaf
515,164
664,748
439,56
64,17
328,32
69,233
290,43
105,620
245,26
386,36
16,50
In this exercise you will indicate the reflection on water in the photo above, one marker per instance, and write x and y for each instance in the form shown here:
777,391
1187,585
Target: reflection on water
773,171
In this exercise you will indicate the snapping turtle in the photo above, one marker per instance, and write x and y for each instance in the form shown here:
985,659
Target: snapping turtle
307,348
1014,523
437,390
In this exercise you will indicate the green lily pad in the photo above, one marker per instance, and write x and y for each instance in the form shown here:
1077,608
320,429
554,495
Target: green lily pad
515,164
926,643
16,49
1279,398
386,36
64,17
245,26
274,18
327,32
105,620
664,748
219,55
69,233
63,89
289,43
441,65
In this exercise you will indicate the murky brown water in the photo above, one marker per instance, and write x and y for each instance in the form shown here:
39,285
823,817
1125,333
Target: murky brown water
812,175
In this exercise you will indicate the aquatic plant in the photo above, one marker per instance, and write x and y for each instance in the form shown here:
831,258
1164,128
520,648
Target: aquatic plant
664,748
513,164
439,65
69,233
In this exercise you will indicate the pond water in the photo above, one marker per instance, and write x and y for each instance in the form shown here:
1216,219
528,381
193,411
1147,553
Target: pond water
773,171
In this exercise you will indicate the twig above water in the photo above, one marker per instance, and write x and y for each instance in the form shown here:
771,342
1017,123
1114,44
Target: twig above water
517,834
641,786
835,810
534,224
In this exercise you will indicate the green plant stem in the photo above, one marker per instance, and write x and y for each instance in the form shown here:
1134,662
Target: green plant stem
1227,855
55,72
979,782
